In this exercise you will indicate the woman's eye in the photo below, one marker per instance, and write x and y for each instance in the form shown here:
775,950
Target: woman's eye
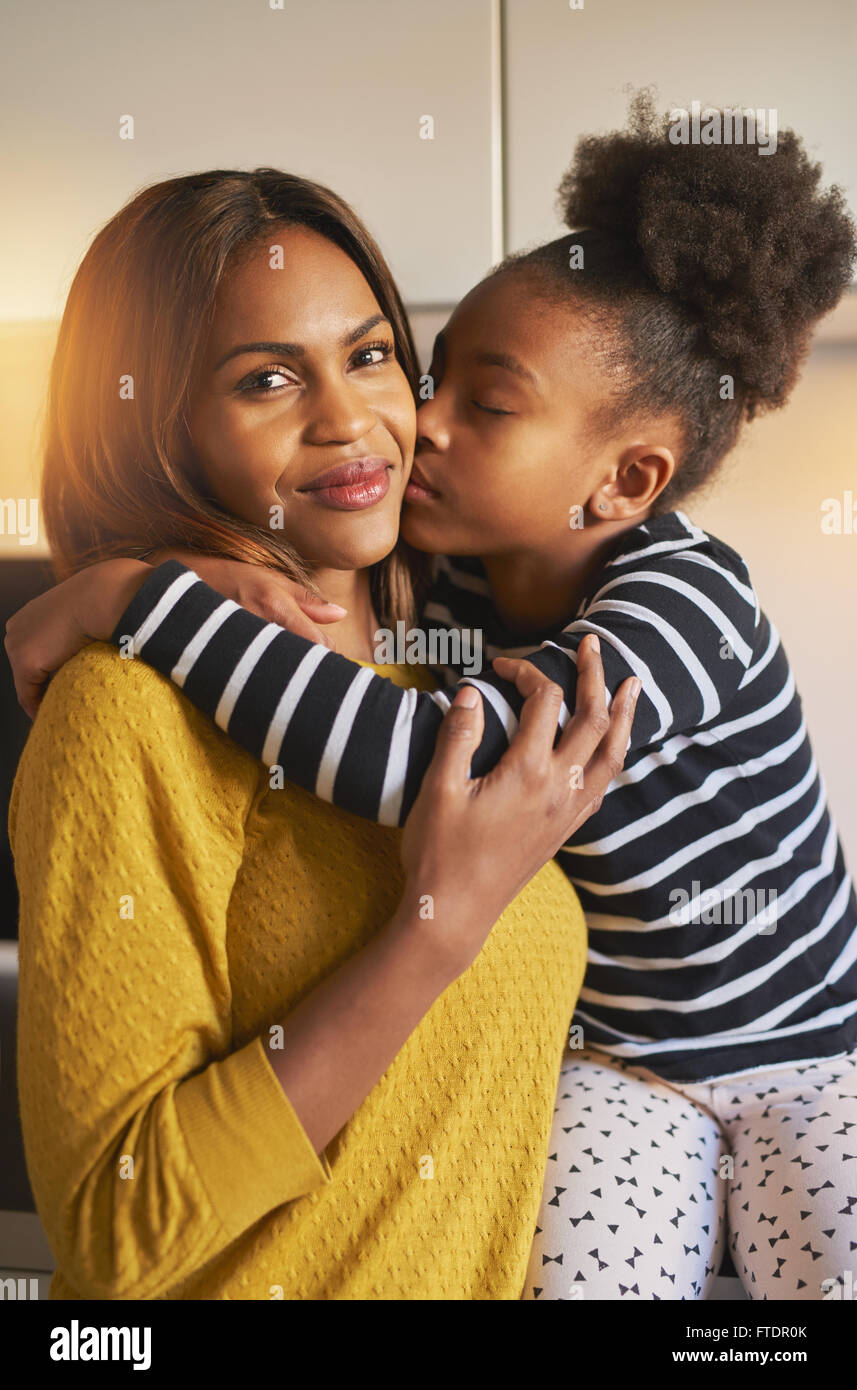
491,409
372,355
268,379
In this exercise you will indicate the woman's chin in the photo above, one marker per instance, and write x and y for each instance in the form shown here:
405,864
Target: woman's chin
372,546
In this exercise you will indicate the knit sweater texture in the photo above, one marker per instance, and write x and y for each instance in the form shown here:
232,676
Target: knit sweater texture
174,906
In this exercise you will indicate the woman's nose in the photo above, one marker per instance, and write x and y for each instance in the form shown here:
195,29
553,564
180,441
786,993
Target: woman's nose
339,413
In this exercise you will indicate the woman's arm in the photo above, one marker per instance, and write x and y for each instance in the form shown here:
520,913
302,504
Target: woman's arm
469,847
151,1144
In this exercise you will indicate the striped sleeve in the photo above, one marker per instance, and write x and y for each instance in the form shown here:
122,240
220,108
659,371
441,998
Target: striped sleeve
682,620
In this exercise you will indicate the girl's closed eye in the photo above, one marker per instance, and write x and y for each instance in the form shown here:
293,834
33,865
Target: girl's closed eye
491,409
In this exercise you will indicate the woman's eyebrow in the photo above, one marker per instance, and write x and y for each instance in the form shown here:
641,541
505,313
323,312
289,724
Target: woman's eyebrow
297,349
363,328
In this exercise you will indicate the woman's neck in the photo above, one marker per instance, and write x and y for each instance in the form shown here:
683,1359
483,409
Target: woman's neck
354,635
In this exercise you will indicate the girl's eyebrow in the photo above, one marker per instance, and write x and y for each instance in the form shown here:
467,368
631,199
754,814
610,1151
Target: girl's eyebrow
508,363
493,359
297,349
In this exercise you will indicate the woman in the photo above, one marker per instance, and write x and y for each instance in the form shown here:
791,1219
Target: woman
603,378
256,1058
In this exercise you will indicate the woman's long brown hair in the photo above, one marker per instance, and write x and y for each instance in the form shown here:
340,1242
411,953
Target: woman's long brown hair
119,474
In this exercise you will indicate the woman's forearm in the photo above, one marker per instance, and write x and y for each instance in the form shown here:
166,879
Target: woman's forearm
330,1051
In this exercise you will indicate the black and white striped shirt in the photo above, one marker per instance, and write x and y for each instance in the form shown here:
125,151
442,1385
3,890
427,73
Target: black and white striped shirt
722,919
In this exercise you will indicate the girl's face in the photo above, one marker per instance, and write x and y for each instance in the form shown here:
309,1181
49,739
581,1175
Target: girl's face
504,444
302,419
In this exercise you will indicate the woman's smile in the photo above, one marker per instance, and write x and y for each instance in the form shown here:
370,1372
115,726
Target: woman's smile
351,486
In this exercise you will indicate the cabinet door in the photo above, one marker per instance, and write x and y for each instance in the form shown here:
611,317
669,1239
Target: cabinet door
566,71
333,90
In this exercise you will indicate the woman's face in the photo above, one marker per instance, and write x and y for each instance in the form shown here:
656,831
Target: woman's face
505,444
302,419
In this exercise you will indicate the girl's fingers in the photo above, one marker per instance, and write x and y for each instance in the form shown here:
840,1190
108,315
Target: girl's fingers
295,620
320,609
276,605
29,697
30,686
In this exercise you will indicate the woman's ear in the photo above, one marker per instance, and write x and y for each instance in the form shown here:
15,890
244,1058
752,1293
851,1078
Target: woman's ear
641,474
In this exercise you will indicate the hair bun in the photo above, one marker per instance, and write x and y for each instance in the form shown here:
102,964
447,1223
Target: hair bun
746,241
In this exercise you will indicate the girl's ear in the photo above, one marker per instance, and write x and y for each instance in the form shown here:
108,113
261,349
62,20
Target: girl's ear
642,473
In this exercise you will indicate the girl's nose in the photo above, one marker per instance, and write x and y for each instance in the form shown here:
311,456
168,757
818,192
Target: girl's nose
432,427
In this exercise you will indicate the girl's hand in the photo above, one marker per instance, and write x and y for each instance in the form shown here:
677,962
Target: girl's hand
50,629
470,845
268,593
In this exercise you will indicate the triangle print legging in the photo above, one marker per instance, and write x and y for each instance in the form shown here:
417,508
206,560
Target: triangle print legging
647,1179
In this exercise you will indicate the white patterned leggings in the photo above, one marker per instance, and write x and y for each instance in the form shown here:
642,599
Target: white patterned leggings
647,1179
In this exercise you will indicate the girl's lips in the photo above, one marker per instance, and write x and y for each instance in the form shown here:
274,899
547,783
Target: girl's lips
418,489
353,496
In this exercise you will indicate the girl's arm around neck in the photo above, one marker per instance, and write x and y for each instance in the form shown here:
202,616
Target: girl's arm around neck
683,623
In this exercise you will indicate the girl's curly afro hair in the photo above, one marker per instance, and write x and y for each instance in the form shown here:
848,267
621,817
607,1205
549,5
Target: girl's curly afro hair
700,262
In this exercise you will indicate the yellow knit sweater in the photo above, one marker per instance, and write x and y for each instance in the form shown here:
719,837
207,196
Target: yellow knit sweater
173,907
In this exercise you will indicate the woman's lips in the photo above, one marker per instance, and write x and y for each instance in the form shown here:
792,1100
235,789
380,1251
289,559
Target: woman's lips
418,489
352,486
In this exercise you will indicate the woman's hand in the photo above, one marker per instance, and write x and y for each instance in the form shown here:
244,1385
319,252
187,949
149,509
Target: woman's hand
50,629
470,845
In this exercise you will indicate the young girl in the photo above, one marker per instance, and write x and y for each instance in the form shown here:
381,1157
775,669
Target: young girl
580,393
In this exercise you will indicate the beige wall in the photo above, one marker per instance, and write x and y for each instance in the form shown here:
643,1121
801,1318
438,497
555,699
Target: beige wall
767,505
25,359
